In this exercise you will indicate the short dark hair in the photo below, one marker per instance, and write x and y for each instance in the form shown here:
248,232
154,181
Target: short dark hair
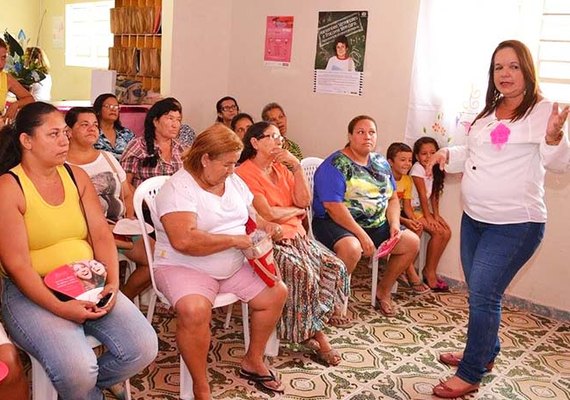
73,113
395,148
239,117
340,39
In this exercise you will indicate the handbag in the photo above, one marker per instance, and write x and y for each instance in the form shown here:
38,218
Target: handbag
260,255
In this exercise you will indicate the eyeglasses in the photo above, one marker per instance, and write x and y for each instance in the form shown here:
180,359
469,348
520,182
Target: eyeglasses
111,106
274,136
229,108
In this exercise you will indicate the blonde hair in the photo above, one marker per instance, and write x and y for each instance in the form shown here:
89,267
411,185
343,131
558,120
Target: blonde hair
216,140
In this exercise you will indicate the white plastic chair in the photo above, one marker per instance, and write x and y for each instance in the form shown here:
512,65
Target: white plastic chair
42,388
147,192
310,165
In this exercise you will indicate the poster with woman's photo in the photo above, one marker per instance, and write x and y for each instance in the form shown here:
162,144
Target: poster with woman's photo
339,58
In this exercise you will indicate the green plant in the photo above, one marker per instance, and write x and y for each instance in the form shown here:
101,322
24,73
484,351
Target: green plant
25,69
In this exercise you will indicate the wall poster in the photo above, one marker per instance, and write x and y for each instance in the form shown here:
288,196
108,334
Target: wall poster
339,58
278,41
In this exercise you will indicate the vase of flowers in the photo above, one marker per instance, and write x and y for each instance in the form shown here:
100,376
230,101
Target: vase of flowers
19,64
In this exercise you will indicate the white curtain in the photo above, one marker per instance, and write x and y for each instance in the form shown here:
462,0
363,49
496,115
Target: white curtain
454,43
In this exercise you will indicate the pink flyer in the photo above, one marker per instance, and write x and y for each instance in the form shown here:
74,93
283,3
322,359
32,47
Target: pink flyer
278,41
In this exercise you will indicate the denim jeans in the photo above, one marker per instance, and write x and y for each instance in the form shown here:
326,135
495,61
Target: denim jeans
60,346
491,256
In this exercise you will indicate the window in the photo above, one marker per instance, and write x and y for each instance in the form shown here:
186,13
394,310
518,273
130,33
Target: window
88,34
554,50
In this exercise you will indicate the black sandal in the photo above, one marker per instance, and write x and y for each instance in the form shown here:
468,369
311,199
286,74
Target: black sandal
262,380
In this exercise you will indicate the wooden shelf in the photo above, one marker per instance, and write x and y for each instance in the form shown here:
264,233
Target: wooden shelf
135,54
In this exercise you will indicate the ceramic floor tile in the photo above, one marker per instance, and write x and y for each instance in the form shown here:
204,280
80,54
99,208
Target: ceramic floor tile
382,358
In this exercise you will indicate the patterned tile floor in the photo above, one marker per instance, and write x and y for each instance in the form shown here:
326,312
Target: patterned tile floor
382,358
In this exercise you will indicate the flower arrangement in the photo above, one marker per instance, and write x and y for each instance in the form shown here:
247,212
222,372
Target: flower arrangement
19,64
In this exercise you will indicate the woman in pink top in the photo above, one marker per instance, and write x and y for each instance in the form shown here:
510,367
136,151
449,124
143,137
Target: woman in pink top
317,280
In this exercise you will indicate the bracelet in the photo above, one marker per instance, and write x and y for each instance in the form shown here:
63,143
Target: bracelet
556,140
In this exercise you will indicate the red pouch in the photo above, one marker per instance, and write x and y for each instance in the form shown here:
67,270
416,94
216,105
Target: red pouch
260,255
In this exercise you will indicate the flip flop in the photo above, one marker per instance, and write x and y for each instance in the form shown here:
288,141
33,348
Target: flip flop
262,380
440,286
385,307
419,287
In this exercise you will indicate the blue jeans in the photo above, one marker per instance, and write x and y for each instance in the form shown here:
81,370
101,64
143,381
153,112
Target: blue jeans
491,256
60,346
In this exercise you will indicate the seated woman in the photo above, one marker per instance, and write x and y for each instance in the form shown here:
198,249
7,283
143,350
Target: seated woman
226,108
316,279
14,385
273,112
9,84
158,152
54,218
110,182
241,123
203,210
186,134
356,207
113,136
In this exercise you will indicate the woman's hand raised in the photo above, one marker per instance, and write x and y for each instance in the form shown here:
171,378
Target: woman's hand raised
440,158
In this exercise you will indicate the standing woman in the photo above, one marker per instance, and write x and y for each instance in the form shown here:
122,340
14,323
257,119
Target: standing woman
54,218
158,152
9,84
511,142
113,136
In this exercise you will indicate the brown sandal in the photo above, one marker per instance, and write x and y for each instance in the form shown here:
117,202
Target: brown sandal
386,307
331,357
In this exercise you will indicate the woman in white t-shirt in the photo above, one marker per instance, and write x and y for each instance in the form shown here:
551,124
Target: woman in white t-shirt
114,193
203,210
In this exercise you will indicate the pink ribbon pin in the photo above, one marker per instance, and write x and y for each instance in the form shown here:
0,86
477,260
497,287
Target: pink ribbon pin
500,135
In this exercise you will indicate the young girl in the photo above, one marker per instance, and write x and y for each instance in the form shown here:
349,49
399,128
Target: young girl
399,155
425,203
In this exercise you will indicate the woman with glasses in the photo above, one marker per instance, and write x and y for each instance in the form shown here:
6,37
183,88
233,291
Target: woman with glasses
227,108
356,207
113,136
316,279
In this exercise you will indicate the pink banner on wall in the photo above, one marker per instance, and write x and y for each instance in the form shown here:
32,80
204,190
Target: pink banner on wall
278,41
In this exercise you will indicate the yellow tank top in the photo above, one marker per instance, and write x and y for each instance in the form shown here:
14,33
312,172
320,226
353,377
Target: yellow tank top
3,89
57,235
